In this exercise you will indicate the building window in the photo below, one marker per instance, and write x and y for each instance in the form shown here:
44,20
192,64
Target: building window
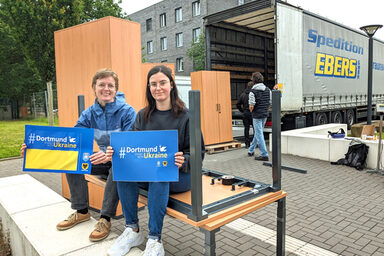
178,14
148,24
150,47
240,2
196,8
179,64
195,35
163,20
179,39
163,43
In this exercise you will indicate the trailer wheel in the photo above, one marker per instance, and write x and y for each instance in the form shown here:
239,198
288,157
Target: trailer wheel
350,117
337,117
321,118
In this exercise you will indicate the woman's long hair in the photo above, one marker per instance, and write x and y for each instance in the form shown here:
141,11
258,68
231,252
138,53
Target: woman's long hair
177,105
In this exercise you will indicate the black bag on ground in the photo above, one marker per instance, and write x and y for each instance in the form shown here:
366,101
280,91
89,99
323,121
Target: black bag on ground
356,155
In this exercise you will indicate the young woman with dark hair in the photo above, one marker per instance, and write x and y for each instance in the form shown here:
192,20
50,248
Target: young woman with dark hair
164,111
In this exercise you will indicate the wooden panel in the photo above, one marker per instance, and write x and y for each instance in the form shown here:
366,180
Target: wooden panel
126,60
238,213
95,191
96,195
80,51
83,49
211,193
64,187
205,82
225,109
227,215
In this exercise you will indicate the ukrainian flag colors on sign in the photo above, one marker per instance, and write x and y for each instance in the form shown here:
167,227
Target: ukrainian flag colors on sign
58,149
145,156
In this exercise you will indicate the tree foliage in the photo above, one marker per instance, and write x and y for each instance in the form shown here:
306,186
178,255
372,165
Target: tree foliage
16,76
31,23
197,53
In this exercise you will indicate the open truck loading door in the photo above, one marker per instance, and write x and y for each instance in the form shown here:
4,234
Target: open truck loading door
322,65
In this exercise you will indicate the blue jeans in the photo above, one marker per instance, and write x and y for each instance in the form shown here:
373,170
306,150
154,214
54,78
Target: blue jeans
258,137
158,193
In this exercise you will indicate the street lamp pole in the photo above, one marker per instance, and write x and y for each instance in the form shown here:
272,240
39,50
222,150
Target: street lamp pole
370,30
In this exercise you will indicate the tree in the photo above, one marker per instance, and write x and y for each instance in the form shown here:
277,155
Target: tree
31,25
16,77
197,53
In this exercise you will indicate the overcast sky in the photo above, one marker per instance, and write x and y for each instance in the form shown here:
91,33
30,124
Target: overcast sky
352,13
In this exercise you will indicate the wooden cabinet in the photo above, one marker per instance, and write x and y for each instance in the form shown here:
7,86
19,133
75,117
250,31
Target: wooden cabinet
84,49
215,99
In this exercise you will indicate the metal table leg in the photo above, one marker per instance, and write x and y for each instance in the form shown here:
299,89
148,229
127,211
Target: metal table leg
210,241
280,237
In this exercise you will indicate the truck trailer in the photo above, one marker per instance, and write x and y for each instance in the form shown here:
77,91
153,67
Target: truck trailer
320,65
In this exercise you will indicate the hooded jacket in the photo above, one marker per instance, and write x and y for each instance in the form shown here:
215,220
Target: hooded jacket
260,97
243,104
114,117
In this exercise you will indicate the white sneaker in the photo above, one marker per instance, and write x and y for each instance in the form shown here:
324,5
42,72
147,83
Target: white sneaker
125,242
153,248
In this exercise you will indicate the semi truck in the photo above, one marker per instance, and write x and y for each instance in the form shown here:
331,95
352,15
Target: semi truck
320,65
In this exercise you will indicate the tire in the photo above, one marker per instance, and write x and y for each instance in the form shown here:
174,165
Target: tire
321,118
337,117
350,119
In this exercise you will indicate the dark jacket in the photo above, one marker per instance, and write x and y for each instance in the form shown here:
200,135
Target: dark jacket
165,120
260,97
242,103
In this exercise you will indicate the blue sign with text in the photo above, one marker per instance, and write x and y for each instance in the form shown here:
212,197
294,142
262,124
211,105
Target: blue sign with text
58,149
145,156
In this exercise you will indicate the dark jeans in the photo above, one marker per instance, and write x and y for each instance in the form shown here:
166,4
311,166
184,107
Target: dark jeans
247,121
78,187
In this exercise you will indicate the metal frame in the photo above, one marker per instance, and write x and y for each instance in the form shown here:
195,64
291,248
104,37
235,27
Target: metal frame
80,104
259,189
276,171
288,168
196,211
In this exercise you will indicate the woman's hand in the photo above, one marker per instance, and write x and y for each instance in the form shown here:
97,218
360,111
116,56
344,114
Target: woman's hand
99,158
109,153
22,149
179,159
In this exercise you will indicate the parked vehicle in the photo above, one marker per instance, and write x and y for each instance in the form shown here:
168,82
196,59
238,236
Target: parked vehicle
322,65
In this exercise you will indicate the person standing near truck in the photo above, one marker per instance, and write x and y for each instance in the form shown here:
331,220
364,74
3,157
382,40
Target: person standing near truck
259,100
243,107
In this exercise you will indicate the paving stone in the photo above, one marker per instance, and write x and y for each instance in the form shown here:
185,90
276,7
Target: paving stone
370,249
338,248
328,204
362,241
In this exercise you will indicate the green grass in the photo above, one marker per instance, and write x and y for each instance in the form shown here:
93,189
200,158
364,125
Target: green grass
12,135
